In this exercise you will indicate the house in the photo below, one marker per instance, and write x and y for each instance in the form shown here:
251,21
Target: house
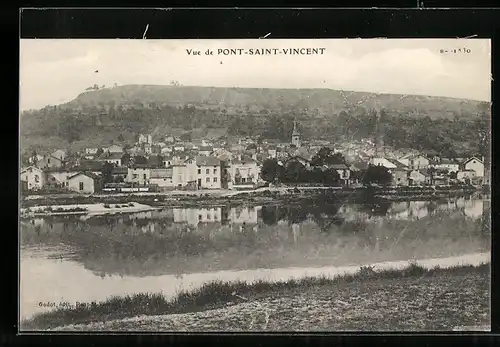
34,178
93,166
58,178
139,175
183,174
474,164
91,150
84,182
49,161
162,178
447,164
169,139
59,154
380,161
114,149
400,177
112,158
466,176
243,172
414,161
205,150
208,172
416,178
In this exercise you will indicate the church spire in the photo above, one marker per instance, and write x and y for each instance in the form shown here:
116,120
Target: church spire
295,135
295,130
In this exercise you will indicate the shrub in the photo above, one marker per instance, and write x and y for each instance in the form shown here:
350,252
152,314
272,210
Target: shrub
106,206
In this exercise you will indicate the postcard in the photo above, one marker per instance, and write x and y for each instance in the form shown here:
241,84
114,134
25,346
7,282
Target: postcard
255,185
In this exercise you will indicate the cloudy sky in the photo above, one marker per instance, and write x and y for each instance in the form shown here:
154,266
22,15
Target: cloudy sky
56,71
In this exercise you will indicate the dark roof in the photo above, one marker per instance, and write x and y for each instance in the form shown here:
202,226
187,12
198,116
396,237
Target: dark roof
119,171
207,161
89,165
398,164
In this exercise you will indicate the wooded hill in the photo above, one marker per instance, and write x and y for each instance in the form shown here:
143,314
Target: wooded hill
118,114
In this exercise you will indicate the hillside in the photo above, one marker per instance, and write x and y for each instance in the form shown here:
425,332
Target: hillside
324,100
119,114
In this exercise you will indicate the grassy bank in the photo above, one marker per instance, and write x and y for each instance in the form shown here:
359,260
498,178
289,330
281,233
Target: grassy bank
414,295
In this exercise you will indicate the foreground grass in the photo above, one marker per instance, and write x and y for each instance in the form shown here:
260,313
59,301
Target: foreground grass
398,284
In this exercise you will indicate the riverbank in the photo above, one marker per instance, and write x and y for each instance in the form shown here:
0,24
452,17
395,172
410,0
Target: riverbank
413,298
258,196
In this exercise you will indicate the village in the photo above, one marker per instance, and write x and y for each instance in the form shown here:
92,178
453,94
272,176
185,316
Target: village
171,163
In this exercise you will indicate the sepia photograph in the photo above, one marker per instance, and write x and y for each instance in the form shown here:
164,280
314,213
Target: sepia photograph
255,185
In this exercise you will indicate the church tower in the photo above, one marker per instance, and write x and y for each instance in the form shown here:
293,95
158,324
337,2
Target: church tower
295,135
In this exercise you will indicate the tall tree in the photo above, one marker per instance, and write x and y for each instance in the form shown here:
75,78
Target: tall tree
376,174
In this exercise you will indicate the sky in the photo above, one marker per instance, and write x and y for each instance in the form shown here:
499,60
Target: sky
55,71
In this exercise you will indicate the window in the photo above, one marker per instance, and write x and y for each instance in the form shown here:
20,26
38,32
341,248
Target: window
48,160
208,179
242,180
180,178
144,176
135,175
208,217
249,180
67,183
215,179
207,171
199,171
215,171
81,186
37,179
199,217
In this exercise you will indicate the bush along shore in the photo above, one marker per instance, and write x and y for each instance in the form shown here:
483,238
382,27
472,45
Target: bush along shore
414,298
256,196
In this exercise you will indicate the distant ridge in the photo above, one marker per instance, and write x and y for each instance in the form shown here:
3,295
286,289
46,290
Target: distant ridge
325,100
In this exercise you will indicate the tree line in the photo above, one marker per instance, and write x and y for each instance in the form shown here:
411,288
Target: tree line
451,135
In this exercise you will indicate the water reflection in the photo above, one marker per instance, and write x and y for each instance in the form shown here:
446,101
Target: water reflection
178,242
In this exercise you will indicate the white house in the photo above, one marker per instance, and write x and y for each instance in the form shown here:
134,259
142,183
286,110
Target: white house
243,172
208,172
416,177
162,178
474,164
139,175
33,177
415,161
83,182
59,154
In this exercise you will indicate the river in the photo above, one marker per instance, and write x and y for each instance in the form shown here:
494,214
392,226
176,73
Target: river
90,258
